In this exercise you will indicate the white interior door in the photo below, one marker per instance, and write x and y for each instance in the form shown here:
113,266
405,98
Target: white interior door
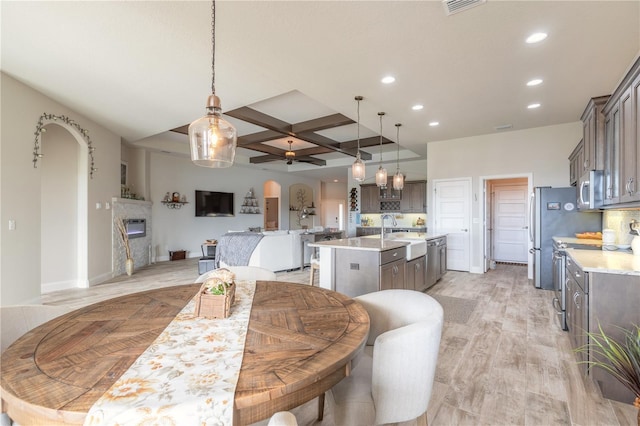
333,214
488,223
510,242
452,216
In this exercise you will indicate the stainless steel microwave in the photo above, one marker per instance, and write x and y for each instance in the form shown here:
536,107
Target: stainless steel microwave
590,190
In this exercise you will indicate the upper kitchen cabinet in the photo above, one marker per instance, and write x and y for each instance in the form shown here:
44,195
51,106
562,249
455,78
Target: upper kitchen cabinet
622,116
576,161
611,175
370,202
593,135
388,193
414,197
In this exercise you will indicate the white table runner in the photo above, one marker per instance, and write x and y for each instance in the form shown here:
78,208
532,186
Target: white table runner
187,376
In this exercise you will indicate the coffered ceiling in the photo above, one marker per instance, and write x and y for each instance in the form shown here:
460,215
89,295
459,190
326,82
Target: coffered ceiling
289,70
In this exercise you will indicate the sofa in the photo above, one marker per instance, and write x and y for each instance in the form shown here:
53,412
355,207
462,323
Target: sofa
276,251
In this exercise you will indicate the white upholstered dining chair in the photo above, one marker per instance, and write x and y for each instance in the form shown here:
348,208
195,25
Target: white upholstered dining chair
243,273
16,321
283,418
392,379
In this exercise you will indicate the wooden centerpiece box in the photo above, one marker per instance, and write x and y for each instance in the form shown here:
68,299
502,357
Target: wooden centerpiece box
216,295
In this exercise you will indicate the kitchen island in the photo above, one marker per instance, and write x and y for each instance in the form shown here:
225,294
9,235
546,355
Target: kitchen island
360,265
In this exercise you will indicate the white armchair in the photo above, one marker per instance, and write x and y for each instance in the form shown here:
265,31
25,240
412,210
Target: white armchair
392,379
283,418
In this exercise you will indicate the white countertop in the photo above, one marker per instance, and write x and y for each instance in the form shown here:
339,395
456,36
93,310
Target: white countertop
607,262
358,243
583,241
372,242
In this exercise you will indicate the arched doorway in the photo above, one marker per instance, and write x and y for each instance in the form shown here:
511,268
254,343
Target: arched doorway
63,208
272,195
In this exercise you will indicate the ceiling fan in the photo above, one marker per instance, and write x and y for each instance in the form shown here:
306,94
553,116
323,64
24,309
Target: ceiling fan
290,155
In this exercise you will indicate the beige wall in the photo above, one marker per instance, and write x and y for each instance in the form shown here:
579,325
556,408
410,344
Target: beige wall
180,229
20,272
542,152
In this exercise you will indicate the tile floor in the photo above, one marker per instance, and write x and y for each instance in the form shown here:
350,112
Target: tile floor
510,364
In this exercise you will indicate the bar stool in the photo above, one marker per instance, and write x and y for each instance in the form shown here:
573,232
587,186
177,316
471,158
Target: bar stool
314,263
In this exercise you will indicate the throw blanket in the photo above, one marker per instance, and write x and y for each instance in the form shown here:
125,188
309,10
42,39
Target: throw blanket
235,248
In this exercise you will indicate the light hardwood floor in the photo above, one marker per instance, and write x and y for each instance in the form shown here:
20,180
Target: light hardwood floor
510,364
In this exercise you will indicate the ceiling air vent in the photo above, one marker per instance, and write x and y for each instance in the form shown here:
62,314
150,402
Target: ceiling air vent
455,6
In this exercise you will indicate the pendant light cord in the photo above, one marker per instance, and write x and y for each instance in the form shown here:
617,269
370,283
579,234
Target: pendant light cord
358,98
381,114
398,143
213,47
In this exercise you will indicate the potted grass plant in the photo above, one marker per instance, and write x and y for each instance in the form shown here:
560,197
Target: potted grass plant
122,230
619,357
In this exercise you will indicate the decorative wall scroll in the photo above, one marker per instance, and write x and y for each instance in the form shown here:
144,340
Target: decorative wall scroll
50,118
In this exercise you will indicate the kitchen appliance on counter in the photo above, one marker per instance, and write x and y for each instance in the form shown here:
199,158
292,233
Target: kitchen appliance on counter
552,212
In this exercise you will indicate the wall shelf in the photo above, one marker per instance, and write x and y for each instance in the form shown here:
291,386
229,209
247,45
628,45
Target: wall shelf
175,205
250,204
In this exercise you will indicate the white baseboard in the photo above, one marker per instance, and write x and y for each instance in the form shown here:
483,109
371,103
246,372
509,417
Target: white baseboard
476,270
100,278
59,285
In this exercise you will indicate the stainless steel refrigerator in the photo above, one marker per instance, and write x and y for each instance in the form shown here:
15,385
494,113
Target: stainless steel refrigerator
553,213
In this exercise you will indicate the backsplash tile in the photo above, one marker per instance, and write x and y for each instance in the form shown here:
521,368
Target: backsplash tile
618,220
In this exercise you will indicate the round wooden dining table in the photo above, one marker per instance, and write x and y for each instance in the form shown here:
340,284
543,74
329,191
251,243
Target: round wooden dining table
300,342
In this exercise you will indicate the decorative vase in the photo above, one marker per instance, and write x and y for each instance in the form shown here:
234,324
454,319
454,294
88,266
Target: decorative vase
128,266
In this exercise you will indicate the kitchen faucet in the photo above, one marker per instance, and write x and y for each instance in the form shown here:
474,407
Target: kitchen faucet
382,218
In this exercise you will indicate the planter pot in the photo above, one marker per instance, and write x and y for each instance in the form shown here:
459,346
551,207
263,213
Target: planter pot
128,266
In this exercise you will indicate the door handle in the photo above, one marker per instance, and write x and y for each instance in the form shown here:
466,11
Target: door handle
525,227
464,230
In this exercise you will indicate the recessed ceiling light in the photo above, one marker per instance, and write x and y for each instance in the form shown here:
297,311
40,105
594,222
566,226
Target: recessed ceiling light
536,37
388,79
534,82
335,180
417,107
533,106
433,123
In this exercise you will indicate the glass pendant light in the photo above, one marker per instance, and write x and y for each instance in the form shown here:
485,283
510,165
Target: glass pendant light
357,168
213,139
398,178
381,174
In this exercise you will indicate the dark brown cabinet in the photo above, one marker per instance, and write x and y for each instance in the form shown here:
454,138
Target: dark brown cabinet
593,135
388,193
361,231
411,199
392,275
414,197
622,140
370,199
415,274
611,176
576,160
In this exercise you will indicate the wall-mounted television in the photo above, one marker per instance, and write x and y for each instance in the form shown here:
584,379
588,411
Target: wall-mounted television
210,203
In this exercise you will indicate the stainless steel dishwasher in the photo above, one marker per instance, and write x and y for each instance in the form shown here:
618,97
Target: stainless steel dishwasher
433,262
441,243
